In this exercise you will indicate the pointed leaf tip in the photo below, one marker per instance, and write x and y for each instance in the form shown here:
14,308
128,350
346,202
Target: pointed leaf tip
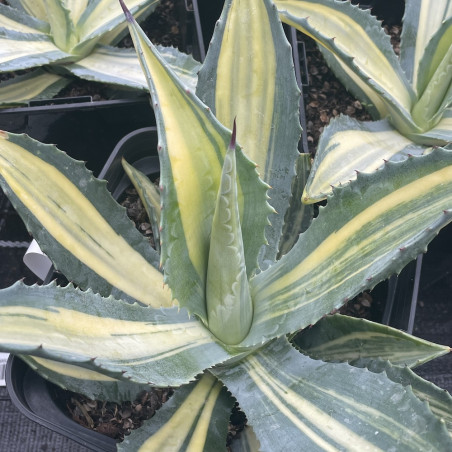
233,136
129,16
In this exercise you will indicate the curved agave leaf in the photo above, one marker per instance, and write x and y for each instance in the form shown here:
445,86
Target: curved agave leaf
37,84
82,229
162,347
195,418
228,301
341,338
127,70
348,146
423,20
91,384
313,405
192,148
243,79
22,51
150,198
368,230
358,41
439,400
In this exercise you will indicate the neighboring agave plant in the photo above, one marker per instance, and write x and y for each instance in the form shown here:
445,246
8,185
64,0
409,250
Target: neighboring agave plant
58,38
215,313
410,95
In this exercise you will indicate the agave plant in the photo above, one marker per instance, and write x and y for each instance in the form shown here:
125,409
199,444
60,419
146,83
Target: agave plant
408,96
214,314
57,38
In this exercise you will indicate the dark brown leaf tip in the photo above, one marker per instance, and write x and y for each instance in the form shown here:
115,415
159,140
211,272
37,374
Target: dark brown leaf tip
233,136
129,16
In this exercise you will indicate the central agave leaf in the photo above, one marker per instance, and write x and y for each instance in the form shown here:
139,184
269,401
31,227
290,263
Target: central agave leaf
228,299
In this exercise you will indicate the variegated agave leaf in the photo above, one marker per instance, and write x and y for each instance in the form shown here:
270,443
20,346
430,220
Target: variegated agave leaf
412,94
226,86
225,341
339,338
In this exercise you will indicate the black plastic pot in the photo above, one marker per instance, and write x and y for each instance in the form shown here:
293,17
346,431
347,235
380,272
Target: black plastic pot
36,397
84,129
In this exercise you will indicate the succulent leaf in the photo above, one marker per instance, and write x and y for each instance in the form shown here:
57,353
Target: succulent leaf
195,418
23,51
162,347
440,401
243,79
314,405
36,84
150,197
229,305
116,66
368,230
348,146
339,338
91,384
72,223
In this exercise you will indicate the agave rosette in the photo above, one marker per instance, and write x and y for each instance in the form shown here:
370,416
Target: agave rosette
212,312
409,96
54,39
